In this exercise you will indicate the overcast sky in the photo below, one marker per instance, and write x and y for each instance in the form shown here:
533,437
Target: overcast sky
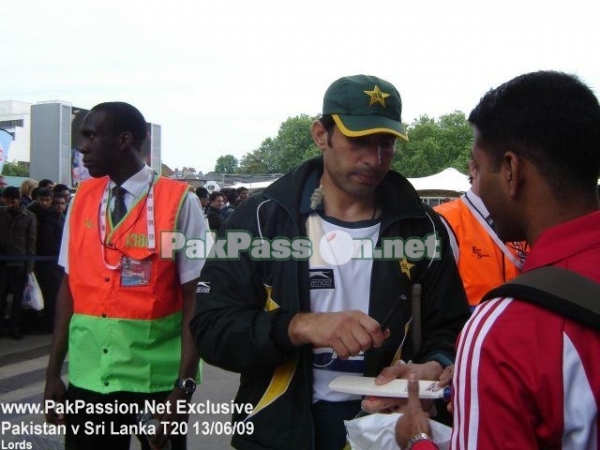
221,76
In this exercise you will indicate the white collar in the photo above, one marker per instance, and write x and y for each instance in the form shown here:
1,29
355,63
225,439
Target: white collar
477,203
137,184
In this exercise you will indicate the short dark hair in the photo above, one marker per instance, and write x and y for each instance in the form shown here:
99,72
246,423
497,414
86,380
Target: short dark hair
201,192
45,183
328,123
214,194
125,118
242,189
43,192
232,196
12,193
59,188
550,118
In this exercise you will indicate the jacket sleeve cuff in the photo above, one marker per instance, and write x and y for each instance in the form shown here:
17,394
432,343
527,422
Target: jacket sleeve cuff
279,333
444,359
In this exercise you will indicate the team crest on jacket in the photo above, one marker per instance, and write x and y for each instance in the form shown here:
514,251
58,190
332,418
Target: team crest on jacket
203,287
321,279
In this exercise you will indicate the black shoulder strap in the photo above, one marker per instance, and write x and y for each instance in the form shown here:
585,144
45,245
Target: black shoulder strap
559,290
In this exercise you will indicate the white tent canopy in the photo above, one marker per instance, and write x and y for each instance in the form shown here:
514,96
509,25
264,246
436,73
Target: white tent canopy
448,180
258,185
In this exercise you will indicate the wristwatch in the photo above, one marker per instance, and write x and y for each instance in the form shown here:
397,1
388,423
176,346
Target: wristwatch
188,385
419,437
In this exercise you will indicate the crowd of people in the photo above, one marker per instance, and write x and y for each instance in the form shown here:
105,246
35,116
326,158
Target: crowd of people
219,205
135,324
31,224
32,218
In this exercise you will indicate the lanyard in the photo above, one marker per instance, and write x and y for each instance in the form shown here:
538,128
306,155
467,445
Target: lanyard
149,219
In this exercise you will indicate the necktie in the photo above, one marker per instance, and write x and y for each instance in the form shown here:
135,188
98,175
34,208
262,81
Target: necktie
119,208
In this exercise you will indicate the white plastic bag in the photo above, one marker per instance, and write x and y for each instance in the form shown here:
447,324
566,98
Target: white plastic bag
32,294
377,432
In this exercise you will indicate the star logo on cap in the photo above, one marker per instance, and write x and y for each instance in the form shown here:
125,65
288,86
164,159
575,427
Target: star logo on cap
377,96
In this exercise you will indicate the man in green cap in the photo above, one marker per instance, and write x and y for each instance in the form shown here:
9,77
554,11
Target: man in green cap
318,294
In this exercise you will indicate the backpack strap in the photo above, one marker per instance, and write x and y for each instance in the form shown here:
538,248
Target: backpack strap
562,291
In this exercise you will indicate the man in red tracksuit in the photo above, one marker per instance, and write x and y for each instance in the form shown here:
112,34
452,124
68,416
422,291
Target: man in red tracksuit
526,377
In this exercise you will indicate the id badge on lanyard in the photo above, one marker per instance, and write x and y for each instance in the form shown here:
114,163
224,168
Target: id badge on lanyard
135,272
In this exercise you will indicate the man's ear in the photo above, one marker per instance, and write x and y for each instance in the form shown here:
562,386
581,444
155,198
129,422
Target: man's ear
512,170
126,140
319,134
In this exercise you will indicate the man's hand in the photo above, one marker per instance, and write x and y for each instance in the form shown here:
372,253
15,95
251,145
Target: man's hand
446,380
428,371
414,420
347,332
56,391
175,398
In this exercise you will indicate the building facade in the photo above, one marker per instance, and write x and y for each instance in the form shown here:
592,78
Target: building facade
46,135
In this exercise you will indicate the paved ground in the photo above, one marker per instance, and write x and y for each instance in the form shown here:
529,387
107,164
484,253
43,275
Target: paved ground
22,368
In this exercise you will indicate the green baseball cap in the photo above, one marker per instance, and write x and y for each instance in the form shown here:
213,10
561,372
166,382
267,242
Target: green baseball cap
363,104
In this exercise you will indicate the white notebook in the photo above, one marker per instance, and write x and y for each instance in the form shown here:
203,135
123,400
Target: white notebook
395,388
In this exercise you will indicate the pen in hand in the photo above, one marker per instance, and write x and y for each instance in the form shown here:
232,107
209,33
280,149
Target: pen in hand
384,324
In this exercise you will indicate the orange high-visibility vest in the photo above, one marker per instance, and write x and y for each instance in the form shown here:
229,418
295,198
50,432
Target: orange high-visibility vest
482,264
123,338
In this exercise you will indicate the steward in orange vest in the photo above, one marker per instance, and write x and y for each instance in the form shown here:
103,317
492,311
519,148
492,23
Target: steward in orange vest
123,338
123,311
484,261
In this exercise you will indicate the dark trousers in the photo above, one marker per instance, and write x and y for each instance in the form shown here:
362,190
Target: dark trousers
12,279
99,436
49,276
330,431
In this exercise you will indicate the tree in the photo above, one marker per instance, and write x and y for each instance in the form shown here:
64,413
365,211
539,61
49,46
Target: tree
226,164
256,162
15,170
434,146
292,145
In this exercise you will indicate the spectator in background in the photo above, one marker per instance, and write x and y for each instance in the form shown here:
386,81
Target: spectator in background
27,188
49,214
231,197
202,194
213,213
62,190
59,204
46,183
3,182
41,207
243,194
41,202
17,238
